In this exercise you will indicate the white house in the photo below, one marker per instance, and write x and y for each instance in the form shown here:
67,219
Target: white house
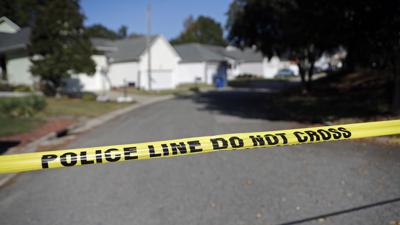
199,64
15,64
100,80
14,60
125,62
128,64
251,61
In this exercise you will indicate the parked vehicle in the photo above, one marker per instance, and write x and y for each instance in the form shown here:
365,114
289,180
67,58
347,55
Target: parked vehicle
285,73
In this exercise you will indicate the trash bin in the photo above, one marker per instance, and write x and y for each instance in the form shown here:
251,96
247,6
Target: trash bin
219,82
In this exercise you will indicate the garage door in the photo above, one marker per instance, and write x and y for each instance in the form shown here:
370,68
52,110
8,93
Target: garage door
161,80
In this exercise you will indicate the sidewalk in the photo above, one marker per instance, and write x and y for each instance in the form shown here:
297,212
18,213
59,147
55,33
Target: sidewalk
113,95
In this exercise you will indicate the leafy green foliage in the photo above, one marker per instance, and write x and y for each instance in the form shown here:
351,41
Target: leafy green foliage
100,31
123,31
89,96
23,88
21,12
22,106
203,30
59,46
303,29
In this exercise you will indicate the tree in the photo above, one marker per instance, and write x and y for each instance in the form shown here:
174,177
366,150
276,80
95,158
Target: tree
135,35
368,30
281,27
203,30
123,31
21,12
100,31
58,45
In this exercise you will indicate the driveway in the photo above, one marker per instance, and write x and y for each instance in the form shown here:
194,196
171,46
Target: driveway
348,182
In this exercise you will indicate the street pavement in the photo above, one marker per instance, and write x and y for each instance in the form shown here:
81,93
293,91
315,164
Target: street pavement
347,182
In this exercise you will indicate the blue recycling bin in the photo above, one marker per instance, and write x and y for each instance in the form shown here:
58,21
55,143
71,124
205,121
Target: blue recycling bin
219,82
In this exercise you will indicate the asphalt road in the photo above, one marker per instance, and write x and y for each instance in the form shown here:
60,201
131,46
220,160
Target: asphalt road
348,182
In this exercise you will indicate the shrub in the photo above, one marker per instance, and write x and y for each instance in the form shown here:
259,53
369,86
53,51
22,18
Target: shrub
38,102
248,76
89,96
23,88
22,106
5,87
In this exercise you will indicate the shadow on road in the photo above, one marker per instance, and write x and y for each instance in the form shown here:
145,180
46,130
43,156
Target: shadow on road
346,211
283,101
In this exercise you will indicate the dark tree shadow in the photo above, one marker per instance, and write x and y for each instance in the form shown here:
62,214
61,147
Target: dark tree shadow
284,101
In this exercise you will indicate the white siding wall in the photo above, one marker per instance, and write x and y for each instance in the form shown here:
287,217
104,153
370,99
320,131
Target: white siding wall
206,71
164,62
271,67
18,69
212,71
95,82
188,72
162,80
232,71
215,69
255,68
119,72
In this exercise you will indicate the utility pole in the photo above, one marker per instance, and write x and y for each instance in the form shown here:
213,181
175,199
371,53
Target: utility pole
148,43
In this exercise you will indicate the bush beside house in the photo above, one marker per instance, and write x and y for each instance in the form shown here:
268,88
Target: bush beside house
22,106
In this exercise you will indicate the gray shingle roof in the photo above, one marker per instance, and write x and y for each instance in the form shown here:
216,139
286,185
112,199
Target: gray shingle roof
195,52
20,40
129,49
245,55
102,44
12,41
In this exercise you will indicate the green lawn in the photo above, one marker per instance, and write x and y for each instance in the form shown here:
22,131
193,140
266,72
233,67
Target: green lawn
56,107
10,126
78,107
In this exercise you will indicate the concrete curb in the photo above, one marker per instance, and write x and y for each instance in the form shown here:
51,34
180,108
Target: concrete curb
76,129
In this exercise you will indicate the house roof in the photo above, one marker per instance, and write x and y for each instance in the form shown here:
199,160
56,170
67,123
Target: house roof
20,40
12,41
129,49
245,55
8,26
194,52
103,44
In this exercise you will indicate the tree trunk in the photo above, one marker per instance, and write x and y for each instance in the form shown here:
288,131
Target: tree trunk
48,88
396,90
310,73
302,73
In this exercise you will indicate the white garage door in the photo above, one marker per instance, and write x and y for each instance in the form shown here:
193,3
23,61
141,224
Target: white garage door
161,80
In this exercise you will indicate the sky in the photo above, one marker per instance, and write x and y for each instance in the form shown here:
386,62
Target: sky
167,15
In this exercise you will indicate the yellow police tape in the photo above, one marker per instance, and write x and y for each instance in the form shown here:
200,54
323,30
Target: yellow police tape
193,145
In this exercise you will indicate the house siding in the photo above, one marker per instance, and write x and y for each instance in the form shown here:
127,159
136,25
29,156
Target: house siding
271,67
215,69
164,62
190,72
96,82
18,68
255,68
123,72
